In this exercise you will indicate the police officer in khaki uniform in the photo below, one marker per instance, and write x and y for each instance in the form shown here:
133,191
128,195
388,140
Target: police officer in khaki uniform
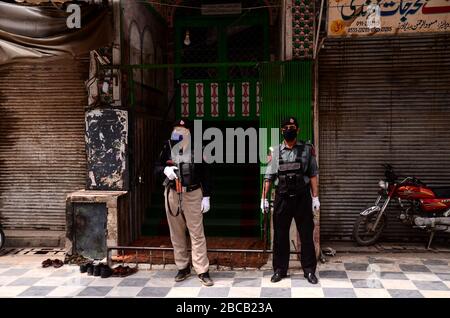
293,165
187,197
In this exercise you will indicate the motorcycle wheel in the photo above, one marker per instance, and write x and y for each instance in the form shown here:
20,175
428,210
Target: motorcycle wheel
362,229
2,239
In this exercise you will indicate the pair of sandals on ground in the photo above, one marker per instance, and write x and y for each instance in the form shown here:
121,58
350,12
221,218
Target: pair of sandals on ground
56,263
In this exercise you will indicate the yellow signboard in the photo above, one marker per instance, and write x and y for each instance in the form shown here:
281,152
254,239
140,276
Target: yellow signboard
348,18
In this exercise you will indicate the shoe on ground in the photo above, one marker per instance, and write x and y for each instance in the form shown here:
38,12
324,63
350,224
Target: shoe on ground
123,271
47,263
205,279
97,270
56,263
183,274
311,277
105,271
277,276
83,268
90,269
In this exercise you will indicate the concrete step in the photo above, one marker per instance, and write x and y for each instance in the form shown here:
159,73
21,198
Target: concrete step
34,238
213,227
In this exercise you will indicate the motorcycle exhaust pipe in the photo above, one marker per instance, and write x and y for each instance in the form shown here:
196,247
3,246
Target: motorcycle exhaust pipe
438,224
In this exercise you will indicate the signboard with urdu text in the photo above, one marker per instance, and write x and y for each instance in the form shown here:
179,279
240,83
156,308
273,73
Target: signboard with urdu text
348,18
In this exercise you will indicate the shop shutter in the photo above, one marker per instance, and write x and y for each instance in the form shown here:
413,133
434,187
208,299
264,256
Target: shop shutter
42,148
380,100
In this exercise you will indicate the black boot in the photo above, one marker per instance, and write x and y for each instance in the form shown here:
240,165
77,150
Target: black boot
183,274
205,279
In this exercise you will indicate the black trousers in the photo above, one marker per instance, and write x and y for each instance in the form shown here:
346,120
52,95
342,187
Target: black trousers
298,208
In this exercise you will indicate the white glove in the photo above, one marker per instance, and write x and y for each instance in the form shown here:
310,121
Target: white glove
170,172
264,205
205,205
315,204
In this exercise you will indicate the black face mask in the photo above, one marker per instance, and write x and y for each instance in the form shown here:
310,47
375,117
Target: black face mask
290,134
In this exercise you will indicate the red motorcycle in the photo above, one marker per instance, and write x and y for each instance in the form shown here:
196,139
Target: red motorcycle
421,207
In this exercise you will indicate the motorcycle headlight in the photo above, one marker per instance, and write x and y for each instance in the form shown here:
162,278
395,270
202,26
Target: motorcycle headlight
383,184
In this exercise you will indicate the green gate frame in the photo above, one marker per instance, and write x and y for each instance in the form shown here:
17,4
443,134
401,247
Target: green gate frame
286,90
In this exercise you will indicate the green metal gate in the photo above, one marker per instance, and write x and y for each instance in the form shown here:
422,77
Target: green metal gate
286,90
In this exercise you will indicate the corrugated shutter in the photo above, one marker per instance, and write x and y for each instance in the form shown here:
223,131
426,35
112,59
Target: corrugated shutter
42,148
381,100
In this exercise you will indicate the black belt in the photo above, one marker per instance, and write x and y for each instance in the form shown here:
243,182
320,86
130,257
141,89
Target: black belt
298,192
188,188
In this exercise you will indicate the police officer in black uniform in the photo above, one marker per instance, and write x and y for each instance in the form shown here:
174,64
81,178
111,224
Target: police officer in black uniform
293,165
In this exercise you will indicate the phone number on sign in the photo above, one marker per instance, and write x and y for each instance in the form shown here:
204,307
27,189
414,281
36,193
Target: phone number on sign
369,30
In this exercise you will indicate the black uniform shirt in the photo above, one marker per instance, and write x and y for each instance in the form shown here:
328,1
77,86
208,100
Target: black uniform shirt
201,169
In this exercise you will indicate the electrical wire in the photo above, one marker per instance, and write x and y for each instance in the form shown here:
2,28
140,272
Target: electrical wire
176,5
199,8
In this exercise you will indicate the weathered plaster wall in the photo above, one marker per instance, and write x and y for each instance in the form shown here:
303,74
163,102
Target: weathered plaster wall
106,149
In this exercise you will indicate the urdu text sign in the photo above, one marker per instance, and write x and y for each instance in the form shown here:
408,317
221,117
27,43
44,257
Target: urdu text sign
349,18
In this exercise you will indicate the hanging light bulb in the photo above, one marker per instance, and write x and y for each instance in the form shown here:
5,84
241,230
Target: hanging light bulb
187,39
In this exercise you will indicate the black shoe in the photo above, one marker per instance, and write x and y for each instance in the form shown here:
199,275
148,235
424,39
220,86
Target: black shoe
83,268
277,277
183,274
205,279
97,270
311,277
105,271
90,269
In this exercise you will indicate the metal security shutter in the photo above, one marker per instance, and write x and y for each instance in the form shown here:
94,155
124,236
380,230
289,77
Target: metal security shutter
42,148
381,100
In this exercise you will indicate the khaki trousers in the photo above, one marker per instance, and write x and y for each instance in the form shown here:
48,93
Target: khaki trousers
193,221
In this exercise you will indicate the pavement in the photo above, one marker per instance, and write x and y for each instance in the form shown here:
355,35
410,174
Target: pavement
347,275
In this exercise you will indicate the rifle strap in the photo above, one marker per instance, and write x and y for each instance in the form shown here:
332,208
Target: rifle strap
168,204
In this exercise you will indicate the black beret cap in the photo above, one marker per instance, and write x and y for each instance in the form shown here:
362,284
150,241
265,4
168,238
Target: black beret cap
289,121
182,123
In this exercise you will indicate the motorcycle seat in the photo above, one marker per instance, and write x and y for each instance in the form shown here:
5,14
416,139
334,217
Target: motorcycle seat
441,192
